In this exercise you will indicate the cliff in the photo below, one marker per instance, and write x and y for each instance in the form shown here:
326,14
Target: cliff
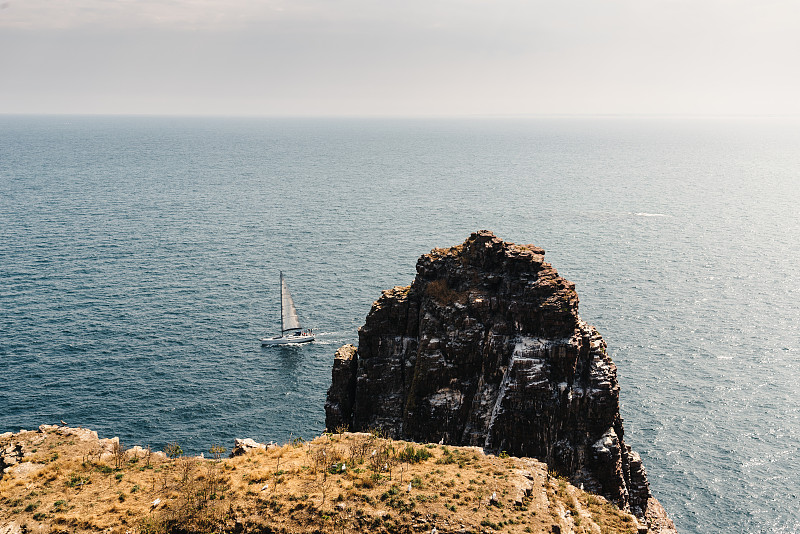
486,348
59,479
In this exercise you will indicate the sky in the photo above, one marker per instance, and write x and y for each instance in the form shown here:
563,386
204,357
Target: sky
404,58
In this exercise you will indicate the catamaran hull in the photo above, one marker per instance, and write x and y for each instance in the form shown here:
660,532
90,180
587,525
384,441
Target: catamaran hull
283,340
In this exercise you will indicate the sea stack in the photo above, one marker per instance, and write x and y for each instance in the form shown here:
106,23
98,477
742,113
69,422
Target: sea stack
486,348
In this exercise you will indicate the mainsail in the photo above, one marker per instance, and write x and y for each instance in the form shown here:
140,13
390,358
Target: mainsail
289,319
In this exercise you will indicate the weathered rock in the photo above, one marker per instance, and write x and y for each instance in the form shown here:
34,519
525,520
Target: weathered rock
11,455
11,528
107,447
243,446
83,434
524,481
24,469
486,348
340,401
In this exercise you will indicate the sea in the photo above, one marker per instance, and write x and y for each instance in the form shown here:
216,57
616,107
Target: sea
140,256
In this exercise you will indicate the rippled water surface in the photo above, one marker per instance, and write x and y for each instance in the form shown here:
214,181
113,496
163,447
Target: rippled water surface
139,263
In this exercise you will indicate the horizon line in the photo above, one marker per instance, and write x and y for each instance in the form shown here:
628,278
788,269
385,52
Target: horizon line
410,116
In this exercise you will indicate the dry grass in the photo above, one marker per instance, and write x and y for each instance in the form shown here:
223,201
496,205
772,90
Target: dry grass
439,291
338,483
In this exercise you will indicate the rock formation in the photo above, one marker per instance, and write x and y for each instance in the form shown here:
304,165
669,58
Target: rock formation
486,348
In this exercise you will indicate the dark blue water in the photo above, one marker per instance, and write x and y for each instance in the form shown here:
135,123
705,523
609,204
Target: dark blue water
139,263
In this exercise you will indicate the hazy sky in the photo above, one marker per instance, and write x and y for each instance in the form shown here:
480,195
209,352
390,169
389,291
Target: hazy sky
409,57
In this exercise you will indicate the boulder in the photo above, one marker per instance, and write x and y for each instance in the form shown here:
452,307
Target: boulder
244,446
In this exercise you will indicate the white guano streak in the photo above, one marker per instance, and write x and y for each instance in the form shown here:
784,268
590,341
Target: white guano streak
526,349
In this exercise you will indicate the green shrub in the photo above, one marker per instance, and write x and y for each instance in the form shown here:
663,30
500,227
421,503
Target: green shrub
217,451
173,450
76,480
447,458
413,455
32,506
394,490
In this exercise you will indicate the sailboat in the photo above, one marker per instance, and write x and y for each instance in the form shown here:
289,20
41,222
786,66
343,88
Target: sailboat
291,331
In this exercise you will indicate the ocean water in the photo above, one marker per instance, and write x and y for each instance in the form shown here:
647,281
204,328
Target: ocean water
139,262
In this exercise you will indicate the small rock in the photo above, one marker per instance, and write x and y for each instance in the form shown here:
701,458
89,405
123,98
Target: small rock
243,446
24,469
11,528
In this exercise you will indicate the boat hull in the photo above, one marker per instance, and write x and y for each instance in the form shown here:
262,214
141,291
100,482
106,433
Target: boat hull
286,340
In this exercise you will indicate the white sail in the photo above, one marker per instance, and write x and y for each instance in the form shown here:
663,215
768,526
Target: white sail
289,319
291,331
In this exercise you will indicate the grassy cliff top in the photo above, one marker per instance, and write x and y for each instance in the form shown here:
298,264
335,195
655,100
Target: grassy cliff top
60,479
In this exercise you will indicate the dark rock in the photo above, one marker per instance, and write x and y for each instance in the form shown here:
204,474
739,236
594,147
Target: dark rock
340,401
10,455
486,348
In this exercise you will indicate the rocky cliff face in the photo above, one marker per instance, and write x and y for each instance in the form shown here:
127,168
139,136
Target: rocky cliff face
486,348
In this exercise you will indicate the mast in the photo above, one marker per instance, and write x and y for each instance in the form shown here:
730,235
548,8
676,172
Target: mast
281,302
